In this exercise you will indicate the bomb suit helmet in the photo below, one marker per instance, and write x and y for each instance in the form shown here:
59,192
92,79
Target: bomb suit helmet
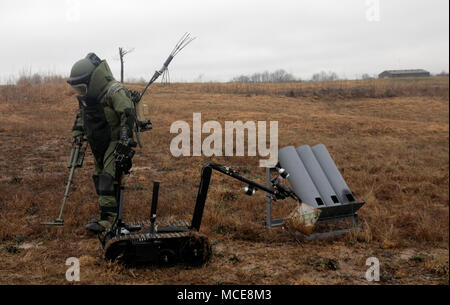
81,72
89,76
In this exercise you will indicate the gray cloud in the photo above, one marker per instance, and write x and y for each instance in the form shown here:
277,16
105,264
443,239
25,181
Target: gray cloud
233,37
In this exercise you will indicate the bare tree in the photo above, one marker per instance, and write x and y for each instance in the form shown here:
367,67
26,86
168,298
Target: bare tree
36,79
255,78
122,53
281,76
241,79
278,76
265,77
323,76
368,76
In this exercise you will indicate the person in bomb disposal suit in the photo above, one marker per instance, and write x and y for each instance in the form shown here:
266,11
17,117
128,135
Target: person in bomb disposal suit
106,117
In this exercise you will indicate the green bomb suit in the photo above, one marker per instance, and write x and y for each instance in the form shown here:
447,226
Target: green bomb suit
103,114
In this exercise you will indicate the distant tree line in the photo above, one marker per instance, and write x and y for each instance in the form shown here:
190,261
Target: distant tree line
323,76
36,78
278,76
443,73
281,76
368,76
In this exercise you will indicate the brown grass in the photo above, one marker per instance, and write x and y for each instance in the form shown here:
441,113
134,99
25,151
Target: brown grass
343,89
392,150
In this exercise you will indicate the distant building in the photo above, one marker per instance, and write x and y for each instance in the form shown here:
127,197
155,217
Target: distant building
404,73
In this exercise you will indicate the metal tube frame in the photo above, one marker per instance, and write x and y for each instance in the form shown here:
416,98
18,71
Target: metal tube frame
270,223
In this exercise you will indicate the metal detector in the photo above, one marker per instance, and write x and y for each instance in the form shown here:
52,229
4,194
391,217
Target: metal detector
75,161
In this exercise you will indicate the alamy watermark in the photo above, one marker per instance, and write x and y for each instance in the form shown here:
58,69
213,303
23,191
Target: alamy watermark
373,273
373,10
73,272
213,144
73,10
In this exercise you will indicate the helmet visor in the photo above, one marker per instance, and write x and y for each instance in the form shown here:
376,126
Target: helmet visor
81,89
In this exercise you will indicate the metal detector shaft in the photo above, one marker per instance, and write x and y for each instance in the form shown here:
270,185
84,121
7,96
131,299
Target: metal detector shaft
75,161
69,182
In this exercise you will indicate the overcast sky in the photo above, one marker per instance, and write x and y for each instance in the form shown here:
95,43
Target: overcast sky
349,37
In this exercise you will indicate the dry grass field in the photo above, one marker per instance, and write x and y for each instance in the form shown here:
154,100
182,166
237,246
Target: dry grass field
389,138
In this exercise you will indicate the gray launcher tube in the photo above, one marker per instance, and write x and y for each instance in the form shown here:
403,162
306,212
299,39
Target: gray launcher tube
299,178
334,176
317,175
